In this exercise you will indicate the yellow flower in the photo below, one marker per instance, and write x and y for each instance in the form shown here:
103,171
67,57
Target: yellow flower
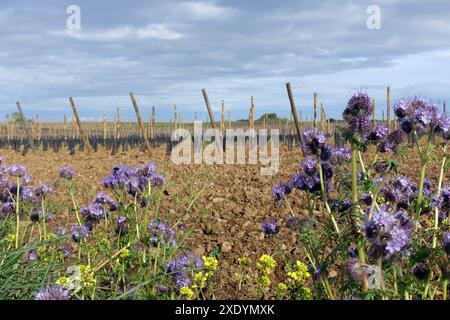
87,276
63,281
186,292
10,237
282,287
200,279
244,261
211,263
125,253
266,264
298,277
264,281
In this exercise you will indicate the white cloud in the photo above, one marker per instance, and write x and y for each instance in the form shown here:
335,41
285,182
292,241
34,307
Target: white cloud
151,31
206,10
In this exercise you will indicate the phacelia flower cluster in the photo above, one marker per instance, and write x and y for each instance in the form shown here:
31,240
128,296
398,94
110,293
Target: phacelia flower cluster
357,114
389,232
134,180
181,268
418,114
270,227
161,233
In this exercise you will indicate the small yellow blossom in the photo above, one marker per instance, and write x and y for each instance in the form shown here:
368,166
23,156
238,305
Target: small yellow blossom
200,279
87,277
10,238
244,261
186,292
125,253
266,264
211,263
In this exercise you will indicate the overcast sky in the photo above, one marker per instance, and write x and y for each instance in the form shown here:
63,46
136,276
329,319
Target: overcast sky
167,51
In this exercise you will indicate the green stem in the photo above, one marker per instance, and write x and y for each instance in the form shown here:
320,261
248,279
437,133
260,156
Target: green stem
423,168
359,243
17,212
325,199
444,289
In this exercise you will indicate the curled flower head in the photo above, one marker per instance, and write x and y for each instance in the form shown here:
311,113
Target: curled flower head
280,190
270,227
104,199
66,173
357,114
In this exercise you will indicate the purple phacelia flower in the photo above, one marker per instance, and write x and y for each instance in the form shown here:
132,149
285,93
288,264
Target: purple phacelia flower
104,199
280,190
16,170
391,142
381,131
389,232
357,113
93,212
446,243
270,227
53,293
66,173
416,113
341,155
122,227
443,201
161,233
42,190
314,142
79,232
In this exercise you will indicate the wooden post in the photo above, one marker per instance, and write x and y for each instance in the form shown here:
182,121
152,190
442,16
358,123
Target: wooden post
229,119
444,107
208,106
80,129
118,125
153,122
252,113
294,115
141,124
65,126
222,119
174,116
26,127
104,126
315,110
389,108
322,117
373,114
